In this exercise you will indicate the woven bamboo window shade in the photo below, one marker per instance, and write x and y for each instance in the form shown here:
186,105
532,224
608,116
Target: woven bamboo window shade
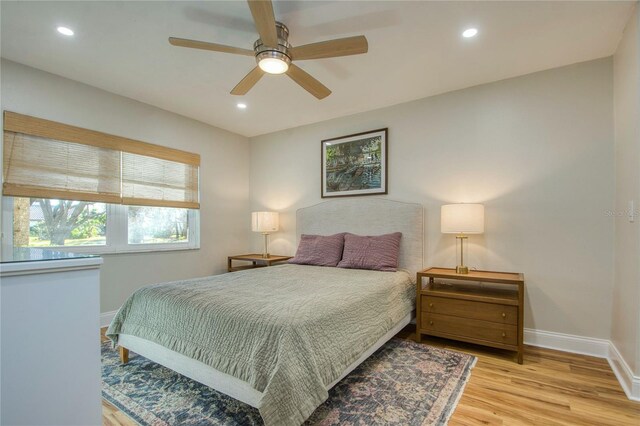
45,159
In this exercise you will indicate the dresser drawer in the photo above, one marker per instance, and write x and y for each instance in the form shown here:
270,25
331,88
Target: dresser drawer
473,328
504,314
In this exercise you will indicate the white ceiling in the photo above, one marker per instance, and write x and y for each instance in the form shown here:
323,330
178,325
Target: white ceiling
415,50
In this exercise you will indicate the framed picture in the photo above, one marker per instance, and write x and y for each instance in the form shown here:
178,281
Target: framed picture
355,164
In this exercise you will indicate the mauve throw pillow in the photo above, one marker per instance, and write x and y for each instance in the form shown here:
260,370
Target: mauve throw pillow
379,253
319,250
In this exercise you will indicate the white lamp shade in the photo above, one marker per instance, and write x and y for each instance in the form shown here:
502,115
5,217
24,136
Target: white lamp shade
264,221
462,219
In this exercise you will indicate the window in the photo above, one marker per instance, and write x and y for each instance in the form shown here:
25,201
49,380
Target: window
86,191
40,222
97,227
157,225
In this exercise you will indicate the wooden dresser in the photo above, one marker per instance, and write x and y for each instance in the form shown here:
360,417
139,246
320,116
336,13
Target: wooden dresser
482,307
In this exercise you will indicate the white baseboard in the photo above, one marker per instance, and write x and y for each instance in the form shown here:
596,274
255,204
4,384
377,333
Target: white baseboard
630,383
106,317
600,348
567,342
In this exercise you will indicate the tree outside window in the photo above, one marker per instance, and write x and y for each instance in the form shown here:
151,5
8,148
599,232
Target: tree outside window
40,222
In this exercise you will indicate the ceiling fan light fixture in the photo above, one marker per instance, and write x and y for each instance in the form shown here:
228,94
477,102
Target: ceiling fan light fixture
273,61
273,65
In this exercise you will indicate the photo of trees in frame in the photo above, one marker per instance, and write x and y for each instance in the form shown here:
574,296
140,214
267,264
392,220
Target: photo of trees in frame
355,164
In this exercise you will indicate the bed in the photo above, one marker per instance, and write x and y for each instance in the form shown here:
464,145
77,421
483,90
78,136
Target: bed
279,338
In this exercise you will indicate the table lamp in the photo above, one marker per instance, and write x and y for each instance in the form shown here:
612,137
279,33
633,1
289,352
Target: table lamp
462,219
264,222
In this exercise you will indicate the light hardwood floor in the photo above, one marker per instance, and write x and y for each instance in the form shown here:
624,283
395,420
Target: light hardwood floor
550,388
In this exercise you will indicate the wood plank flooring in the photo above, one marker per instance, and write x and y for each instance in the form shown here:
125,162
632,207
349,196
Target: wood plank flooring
550,388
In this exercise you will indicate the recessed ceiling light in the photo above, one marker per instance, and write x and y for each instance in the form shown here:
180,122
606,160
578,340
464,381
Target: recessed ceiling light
242,106
470,32
66,31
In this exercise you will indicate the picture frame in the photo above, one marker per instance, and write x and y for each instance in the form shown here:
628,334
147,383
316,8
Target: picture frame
355,164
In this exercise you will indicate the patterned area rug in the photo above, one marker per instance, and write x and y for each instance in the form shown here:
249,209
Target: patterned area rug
403,383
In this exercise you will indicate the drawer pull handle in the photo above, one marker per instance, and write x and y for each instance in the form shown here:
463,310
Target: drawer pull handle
431,305
504,315
430,322
504,334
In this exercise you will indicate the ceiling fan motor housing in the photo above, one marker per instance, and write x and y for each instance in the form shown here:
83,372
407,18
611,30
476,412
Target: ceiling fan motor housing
281,51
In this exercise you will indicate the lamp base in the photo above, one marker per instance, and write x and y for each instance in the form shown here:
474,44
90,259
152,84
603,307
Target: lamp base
265,252
462,270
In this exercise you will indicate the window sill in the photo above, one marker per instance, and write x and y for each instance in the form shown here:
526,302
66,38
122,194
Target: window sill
148,250
108,251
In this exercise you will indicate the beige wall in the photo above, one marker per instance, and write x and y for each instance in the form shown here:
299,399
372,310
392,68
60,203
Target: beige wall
625,332
224,175
537,150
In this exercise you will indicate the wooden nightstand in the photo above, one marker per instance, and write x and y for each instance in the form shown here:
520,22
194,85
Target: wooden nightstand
257,261
481,307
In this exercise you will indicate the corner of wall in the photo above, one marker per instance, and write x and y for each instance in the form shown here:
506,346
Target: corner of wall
630,382
625,325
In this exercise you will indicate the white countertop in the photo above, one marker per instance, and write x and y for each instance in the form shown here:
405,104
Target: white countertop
36,261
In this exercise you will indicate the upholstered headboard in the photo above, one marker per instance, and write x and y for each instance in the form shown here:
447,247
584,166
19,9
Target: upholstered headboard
369,216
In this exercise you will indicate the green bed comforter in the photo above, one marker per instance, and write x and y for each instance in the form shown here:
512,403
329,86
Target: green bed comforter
287,330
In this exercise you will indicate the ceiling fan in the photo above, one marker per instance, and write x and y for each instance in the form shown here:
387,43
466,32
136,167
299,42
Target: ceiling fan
274,54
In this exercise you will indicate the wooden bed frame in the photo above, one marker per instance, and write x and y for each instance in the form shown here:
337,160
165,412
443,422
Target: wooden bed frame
124,354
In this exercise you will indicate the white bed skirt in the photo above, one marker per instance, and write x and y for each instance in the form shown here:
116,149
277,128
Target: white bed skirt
222,382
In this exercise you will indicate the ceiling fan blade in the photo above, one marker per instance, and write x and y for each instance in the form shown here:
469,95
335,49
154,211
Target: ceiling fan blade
248,82
307,82
331,48
195,44
262,11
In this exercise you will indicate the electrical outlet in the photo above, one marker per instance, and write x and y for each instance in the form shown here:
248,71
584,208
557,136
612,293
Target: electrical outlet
632,212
